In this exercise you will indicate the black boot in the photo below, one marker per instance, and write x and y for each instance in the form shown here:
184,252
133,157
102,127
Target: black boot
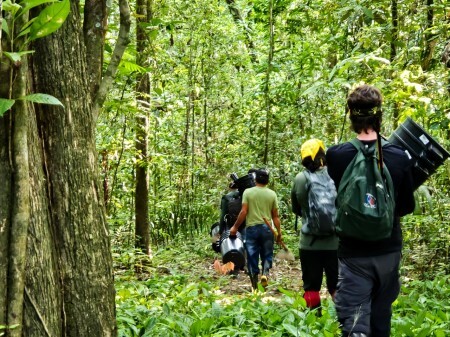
254,281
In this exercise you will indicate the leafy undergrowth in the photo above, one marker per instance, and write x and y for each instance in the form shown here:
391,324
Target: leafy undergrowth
179,293
423,309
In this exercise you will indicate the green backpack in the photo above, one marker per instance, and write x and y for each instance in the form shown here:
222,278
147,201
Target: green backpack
365,198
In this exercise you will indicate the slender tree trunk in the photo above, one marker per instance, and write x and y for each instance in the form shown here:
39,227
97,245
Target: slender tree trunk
20,215
143,96
239,20
15,212
1,25
394,29
94,30
394,39
430,38
267,84
5,178
445,58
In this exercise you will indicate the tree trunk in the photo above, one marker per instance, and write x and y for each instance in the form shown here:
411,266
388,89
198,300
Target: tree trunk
394,29
77,226
56,274
394,38
20,215
267,84
238,19
94,30
143,96
5,186
430,38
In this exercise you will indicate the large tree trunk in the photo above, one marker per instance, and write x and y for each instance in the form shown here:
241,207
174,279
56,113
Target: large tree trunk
56,274
76,212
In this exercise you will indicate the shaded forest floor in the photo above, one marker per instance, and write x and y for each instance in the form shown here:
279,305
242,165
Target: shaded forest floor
195,259
180,293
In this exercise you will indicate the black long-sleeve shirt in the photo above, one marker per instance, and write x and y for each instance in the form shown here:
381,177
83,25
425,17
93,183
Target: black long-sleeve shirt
399,165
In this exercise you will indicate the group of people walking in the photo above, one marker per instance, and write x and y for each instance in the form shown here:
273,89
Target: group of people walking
362,273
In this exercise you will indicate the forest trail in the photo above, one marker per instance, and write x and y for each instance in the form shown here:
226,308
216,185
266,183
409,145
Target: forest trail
195,259
284,274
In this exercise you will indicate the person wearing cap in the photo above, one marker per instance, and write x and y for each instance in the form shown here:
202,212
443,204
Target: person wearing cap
369,270
317,254
259,204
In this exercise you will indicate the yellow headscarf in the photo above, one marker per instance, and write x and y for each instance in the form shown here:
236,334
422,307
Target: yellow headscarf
311,148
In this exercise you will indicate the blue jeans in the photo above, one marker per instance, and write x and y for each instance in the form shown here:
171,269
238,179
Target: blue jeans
259,243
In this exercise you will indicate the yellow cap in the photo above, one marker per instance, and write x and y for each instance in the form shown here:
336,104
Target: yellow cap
311,148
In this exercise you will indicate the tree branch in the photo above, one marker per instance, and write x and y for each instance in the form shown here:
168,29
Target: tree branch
122,42
94,30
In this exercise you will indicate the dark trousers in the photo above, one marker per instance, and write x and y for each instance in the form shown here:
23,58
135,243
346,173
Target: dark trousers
367,287
314,263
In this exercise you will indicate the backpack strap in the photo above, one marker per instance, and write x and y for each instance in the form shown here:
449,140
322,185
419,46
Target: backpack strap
380,143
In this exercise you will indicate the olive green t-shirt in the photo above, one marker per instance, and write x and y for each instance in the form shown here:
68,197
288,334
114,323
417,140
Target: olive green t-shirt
261,201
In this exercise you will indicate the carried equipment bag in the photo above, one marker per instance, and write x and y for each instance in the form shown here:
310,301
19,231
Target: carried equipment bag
234,202
365,198
233,210
321,212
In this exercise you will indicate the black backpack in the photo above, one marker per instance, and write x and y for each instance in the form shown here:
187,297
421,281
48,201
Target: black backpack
321,213
233,209
234,202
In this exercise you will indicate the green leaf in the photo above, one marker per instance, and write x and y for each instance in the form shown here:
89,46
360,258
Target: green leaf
26,28
5,105
8,6
439,333
50,19
367,12
313,88
15,57
42,98
379,59
28,4
5,27
292,329
153,34
132,67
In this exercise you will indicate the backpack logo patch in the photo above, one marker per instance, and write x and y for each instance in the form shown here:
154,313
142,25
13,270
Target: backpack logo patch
371,201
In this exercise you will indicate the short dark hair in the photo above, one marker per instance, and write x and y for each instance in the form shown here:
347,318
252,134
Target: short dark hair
262,176
364,105
313,165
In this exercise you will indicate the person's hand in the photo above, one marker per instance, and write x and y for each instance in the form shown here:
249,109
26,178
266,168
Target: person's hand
233,231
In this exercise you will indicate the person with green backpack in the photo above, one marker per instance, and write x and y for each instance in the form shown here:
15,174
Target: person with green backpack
374,189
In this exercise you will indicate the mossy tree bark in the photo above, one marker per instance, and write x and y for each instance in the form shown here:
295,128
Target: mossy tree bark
143,8
56,274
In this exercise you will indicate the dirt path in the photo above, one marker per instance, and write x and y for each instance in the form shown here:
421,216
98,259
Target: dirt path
285,274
